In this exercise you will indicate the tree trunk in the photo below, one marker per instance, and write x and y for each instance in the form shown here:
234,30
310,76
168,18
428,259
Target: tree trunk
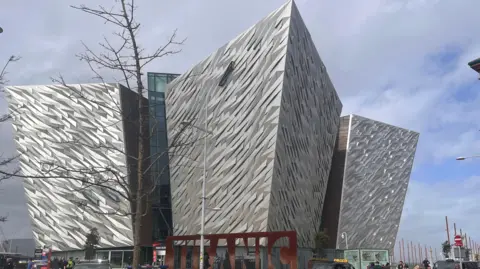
138,213
140,195
141,145
140,177
137,228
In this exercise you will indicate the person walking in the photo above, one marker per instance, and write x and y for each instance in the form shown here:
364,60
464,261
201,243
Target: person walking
400,265
70,263
10,264
377,265
426,263
55,263
30,264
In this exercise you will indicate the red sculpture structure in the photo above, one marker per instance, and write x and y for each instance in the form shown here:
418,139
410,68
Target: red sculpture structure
288,255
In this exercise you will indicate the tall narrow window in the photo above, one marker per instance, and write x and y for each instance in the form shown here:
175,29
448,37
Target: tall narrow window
227,73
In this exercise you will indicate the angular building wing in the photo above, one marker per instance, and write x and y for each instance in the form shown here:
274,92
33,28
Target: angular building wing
269,114
57,132
368,182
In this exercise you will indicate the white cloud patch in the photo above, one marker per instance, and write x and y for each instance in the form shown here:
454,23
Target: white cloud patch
423,219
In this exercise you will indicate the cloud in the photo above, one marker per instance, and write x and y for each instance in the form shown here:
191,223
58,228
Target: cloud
464,144
12,200
401,62
427,204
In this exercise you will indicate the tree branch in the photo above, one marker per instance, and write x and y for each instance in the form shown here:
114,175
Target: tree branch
5,162
133,181
4,72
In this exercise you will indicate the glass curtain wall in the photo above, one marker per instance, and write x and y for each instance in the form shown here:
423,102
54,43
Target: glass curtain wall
117,258
161,204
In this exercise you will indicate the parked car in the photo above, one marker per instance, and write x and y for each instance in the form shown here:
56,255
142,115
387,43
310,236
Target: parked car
92,265
40,264
452,264
329,264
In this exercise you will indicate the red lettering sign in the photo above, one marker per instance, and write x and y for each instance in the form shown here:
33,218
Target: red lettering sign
288,254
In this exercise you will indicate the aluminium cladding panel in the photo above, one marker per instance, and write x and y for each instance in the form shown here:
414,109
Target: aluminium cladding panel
308,127
55,125
242,118
378,166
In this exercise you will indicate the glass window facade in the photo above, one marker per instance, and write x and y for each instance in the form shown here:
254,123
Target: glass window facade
161,204
117,258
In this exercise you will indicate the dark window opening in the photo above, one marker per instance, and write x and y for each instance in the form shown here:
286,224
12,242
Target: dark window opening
227,73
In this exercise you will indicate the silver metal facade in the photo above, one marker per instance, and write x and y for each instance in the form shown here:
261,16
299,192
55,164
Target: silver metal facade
45,119
273,127
378,164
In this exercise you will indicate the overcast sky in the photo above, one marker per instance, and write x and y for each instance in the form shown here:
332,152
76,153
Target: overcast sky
403,62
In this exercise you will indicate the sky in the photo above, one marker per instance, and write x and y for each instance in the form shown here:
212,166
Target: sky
403,62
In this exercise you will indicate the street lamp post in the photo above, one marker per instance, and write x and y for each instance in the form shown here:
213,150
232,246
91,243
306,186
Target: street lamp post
475,65
205,167
202,220
345,236
461,158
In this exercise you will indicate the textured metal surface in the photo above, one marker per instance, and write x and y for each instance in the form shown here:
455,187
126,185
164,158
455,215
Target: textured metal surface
378,166
273,127
308,127
45,117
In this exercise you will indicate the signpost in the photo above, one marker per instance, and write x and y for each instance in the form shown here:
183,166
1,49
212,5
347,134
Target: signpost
38,253
459,243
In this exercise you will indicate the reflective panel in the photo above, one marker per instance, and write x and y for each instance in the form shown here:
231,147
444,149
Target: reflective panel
58,133
273,123
377,166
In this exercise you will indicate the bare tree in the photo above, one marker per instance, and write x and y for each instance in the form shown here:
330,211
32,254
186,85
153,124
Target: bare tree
127,58
6,161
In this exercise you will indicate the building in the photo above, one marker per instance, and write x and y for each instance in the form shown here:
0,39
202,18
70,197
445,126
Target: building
273,117
475,65
81,140
161,202
368,182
